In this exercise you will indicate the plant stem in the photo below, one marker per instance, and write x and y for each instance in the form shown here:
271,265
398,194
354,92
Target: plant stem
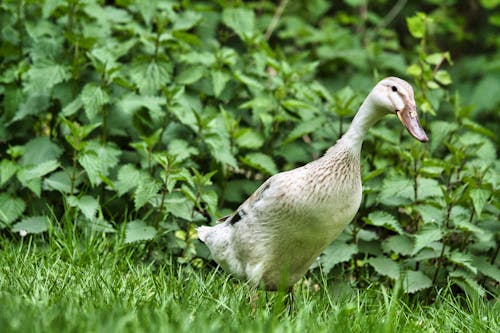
275,19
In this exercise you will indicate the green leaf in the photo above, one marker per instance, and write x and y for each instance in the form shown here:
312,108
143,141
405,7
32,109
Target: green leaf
219,80
32,225
149,77
186,20
416,25
385,220
93,98
462,259
146,190
415,281
398,244
428,188
396,191
10,209
98,159
428,234
248,138
88,205
59,181
336,253
42,77
128,178
220,148
181,149
190,74
479,198
261,162
179,206
465,281
304,128
384,266
41,170
32,105
138,230
40,150
7,169
443,77
240,20
92,166
72,107
486,268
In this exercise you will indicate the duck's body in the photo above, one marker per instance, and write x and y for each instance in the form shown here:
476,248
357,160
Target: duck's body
277,233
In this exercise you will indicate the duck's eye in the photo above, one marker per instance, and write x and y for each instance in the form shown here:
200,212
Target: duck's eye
394,88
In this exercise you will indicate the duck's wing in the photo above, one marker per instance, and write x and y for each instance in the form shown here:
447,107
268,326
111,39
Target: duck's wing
264,200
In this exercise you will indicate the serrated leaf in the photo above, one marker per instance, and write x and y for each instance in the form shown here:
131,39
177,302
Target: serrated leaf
261,162
91,164
39,150
486,267
42,77
219,80
7,169
190,74
304,128
479,197
145,191
467,283
385,220
32,105
93,98
98,159
88,206
128,178
396,191
100,224
149,77
41,170
415,281
179,206
10,209
428,188
462,259
138,230
32,225
399,244
59,181
186,20
72,107
248,138
336,253
220,148
385,266
428,234
34,184
240,20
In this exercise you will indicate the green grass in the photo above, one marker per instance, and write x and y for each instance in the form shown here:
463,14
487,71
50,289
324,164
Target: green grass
96,284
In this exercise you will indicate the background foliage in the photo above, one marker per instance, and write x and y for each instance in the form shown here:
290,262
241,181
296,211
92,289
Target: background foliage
162,115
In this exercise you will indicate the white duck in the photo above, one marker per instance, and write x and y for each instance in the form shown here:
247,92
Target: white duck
277,233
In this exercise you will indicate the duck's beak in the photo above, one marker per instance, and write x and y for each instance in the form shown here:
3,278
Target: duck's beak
409,118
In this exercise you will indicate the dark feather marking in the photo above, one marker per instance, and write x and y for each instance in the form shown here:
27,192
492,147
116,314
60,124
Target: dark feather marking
237,216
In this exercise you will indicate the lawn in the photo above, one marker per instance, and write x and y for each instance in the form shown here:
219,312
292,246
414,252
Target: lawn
96,284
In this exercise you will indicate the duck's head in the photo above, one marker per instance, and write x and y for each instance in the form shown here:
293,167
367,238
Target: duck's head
394,95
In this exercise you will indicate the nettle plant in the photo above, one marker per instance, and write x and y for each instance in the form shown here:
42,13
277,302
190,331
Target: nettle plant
433,217
164,115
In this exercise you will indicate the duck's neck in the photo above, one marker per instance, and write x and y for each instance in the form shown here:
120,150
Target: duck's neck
365,118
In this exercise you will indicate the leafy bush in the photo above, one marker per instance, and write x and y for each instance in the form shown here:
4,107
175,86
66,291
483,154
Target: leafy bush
163,115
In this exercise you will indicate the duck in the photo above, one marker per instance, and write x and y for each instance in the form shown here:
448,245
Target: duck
274,237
